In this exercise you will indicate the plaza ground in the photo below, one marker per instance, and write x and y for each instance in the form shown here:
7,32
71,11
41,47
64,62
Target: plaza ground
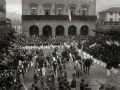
97,73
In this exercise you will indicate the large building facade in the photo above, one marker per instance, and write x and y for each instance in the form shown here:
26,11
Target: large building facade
52,17
110,18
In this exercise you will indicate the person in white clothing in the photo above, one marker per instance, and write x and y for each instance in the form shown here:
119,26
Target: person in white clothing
70,60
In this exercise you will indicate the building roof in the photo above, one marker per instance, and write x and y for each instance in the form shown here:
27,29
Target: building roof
112,9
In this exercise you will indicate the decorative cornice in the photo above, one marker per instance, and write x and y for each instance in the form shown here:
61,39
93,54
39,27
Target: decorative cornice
72,5
85,5
60,5
33,5
47,5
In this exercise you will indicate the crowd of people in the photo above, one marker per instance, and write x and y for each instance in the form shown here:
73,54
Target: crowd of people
21,53
55,64
106,50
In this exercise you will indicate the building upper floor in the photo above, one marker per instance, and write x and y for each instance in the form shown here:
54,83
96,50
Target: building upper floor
58,7
110,16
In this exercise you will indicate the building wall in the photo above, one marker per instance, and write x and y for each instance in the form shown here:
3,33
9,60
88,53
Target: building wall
54,24
27,11
3,14
107,16
117,17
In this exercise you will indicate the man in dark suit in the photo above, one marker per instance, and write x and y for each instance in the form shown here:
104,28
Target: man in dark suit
87,65
82,86
73,83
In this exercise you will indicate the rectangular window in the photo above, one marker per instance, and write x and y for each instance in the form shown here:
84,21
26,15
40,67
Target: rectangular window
85,11
111,19
111,13
33,11
119,13
72,10
47,11
60,11
119,19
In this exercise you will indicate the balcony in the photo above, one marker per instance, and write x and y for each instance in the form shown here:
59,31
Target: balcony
58,17
111,23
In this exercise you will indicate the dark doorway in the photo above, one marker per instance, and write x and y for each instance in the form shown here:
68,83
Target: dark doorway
47,30
84,30
60,30
72,30
47,12
34,30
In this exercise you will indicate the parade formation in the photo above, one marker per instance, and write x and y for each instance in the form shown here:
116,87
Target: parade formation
22,53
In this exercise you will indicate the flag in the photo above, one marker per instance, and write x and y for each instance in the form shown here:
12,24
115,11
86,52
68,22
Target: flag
93,45
24,87
69,12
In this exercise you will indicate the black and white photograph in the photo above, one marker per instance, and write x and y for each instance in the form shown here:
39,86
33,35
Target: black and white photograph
59,44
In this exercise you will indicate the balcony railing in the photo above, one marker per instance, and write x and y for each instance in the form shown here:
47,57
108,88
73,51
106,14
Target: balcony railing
111,23
58,17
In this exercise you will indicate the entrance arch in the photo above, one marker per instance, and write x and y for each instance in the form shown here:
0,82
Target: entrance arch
59,30
72,30
47,30
34,30
84,30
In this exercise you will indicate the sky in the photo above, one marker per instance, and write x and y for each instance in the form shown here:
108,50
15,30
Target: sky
14,7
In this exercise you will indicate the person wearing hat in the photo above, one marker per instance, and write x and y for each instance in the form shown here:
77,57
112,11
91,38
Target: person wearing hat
60,80
87,65
82,85
73,83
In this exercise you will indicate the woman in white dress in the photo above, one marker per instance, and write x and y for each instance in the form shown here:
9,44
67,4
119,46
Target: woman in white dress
43,70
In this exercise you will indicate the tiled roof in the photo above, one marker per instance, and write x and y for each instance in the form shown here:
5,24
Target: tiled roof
113,9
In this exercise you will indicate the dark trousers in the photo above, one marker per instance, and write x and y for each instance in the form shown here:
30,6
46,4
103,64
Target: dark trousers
83,68
87,70
77,73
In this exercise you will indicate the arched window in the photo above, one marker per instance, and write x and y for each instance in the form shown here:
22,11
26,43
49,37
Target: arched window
72,30
34,30
59,30
84,30
47,30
